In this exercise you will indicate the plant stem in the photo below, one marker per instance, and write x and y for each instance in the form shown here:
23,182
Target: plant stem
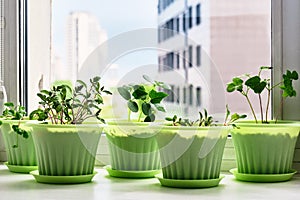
275,85
268,103
140,115
261,109
251,107
128,115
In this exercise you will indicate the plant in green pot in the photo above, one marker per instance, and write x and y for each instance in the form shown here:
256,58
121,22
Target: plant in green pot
264,148
132,145
68,132
191,151
20,151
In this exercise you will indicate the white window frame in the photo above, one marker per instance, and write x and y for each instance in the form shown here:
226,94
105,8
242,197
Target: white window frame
285,54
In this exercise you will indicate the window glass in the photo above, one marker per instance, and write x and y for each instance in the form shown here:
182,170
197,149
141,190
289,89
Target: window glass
225,37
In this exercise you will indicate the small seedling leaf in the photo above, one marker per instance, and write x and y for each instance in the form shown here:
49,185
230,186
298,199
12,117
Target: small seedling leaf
146,108
124,93
133,106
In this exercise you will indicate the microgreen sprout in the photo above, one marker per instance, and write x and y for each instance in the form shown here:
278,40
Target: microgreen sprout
234,117
144,99
204,120
13,112
258,85
64,105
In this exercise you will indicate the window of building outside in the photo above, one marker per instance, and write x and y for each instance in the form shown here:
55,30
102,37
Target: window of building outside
178,24
178,95
190,17
191,95
178,60
198,96
183,22
190,56
198,55
198,14
184,95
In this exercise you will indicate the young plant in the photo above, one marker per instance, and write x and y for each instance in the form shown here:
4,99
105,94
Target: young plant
13,112
180,121
204,120
144,99
234,117
64,105
257,85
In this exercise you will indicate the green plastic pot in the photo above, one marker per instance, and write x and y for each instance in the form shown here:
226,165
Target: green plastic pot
24,153
66,150
191,153
265,148
132,146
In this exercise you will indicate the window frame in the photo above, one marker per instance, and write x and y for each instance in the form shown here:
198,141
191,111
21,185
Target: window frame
285,30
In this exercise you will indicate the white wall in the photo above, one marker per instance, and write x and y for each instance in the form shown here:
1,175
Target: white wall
39,42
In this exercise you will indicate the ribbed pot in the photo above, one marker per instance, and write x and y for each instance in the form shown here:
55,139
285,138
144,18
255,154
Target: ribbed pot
132,147
66,150
265,148
191,153
24,153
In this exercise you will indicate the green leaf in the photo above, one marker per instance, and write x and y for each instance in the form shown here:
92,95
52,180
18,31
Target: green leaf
146,108
96,79
108,92
78,88
147,78
256,84
237,81
169,119
159,108
133,106
265,67
42,97
9,104
294,75
252,81
230,87
82,83
124,93
140,93
150,118
157,97
164,85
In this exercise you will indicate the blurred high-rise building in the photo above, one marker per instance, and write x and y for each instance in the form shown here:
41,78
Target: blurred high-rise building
84,34
203,44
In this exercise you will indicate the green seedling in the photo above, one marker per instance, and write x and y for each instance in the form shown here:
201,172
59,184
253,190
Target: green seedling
144,99
12,112
64,105
205,120
258,85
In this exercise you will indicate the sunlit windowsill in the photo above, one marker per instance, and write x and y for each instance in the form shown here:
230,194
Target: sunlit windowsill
22,186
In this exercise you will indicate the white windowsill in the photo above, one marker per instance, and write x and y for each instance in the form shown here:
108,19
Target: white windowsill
22,186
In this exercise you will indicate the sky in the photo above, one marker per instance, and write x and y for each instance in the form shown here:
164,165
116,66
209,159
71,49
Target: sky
115,16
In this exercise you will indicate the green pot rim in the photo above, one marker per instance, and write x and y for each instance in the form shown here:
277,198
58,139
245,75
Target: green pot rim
8,121
281,123
34,123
